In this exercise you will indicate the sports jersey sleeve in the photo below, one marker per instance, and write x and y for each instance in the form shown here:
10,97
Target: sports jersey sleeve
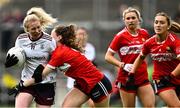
17,43
177,48
145,48
114,45
145,34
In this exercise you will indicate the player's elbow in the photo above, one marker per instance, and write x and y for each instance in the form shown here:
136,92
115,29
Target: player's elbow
106,57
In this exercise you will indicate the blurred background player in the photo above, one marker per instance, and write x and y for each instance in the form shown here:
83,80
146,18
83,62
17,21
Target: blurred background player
164,49
127,43
38,46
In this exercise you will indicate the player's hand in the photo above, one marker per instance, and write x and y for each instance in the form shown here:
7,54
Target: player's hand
38,73
128,67
64,68
130,79
15,90
11,60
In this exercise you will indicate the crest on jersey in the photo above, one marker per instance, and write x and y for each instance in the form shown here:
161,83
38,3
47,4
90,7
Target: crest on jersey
143,39
168,49
42,46
33,45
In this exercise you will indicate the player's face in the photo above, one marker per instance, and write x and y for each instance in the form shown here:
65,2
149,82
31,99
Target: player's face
54,35
131,20
81,37
160,25
34,28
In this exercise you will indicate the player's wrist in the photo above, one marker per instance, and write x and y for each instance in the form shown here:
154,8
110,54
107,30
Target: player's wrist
121,64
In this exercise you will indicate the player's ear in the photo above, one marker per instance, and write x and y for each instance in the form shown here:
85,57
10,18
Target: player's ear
59,37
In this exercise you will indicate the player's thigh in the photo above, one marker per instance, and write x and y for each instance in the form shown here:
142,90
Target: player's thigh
23,100
104,103
146,95
128,98
170,98
74,98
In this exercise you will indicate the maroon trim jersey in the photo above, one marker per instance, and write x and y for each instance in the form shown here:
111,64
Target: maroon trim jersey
128,47
79,67
163,54
37,52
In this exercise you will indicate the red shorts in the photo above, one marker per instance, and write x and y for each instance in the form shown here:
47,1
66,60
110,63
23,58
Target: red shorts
43,93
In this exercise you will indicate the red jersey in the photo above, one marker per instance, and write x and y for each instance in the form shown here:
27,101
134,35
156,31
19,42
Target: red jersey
128,48
163,55
81,69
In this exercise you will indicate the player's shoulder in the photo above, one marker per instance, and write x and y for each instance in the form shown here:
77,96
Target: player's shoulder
23,36
143,31
173,36
122,32
152,39
47,37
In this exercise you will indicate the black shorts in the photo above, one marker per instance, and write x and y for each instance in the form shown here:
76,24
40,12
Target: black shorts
177,90
43,93
132,88
160,86
101,90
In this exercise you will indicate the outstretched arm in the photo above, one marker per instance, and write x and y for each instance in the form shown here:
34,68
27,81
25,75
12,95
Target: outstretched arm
39,73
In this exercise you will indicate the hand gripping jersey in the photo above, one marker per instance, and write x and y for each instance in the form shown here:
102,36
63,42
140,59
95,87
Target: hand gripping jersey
128,48
163,55
79,67
37,52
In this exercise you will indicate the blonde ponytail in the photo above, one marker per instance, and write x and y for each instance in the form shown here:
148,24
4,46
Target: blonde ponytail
45,18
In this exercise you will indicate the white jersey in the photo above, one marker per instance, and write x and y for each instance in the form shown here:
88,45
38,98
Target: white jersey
37,52
90,53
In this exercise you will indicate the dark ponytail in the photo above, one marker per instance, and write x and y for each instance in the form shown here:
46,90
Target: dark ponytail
68,36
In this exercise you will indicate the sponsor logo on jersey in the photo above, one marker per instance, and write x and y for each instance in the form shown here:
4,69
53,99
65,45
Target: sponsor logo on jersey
36,58
163,56
134,49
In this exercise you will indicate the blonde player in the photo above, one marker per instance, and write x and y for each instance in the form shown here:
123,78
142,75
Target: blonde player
38,47
128,43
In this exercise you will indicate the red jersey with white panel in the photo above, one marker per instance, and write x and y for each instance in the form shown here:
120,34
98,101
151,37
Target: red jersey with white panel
163,55
80,68
128,47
